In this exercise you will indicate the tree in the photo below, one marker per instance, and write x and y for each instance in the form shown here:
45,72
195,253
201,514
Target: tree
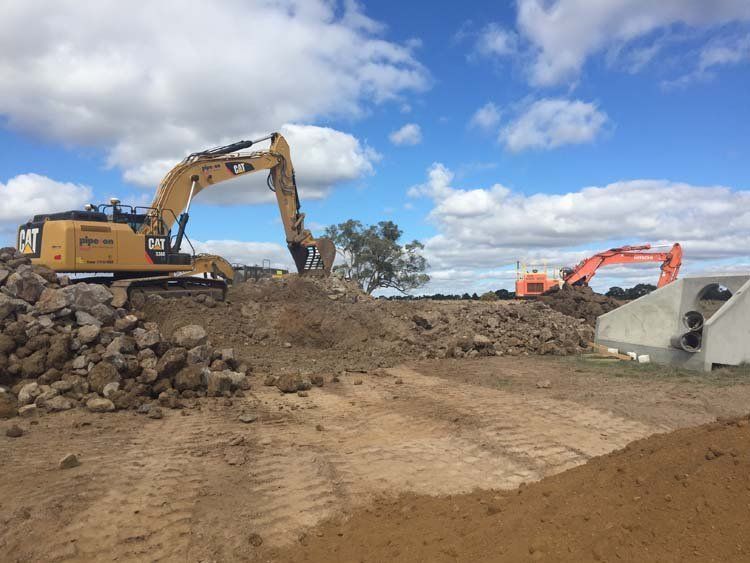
374,258
631,293
616,292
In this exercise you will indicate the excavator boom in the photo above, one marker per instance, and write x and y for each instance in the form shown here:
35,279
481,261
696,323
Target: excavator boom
586,269
205,169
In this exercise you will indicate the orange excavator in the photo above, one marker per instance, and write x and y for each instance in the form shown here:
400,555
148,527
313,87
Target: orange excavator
532,284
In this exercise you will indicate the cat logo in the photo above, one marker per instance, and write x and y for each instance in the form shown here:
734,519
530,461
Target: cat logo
157,249
29,240
238,168
156,243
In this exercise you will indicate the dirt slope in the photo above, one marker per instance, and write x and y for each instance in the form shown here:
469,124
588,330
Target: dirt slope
671,497
579,302
323,325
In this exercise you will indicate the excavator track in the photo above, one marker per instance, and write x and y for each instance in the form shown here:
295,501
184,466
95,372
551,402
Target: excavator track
136,290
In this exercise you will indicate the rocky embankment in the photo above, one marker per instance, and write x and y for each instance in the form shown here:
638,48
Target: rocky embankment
63,345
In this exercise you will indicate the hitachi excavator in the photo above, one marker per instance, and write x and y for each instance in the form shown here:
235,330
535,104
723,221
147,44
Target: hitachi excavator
136,246
532,284
586,269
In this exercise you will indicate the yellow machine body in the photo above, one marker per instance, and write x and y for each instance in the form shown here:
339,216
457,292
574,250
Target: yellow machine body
74,246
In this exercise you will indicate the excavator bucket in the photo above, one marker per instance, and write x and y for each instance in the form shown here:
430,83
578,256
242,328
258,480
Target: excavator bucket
315,258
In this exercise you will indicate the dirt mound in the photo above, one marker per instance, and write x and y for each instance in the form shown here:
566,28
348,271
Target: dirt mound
670,497
579,302
324,324
64,345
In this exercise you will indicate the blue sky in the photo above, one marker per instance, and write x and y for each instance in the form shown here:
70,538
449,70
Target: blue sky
645,104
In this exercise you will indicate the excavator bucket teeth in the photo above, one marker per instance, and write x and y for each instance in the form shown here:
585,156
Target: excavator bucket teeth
316,258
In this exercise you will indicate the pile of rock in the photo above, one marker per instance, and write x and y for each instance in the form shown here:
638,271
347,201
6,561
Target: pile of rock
64,345
580,302
498,329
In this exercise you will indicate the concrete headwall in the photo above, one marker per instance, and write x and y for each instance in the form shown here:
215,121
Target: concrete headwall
647,325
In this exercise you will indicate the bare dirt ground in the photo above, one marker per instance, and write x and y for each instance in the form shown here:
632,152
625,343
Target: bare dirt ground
199,485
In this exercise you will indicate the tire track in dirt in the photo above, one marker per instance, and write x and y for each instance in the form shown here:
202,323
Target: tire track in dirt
198,487
147,493
427,436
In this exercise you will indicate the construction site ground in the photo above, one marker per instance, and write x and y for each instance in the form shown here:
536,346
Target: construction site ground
406,463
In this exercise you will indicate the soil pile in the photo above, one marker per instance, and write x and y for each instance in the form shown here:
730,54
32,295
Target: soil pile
323,324
64,345
670,497
579,302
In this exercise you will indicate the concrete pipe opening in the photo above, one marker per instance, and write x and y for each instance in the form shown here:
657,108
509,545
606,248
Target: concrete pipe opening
689,342
693,320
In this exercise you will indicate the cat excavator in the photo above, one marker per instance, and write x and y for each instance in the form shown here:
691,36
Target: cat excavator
135,246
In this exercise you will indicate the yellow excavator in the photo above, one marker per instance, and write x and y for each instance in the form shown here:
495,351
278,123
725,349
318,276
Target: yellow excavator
135,244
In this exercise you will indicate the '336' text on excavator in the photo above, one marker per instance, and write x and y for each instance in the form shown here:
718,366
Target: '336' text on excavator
135,245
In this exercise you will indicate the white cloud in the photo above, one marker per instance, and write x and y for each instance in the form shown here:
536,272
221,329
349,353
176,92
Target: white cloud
551,123
322,157
247,253
495,226
563,34
487,117
175,78
26,195
718,53
409,134
494,40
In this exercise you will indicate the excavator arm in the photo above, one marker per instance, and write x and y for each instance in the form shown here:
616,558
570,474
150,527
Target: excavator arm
585,270
205,169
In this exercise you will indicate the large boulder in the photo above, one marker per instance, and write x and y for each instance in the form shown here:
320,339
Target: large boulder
171,362
199,354
88,333
126,323
99,404
146,338
291,383
86,296
189,336
101,374
25,285
122,345
51,301
34,365
103,313
10,305
189,378
29,393
87,319
58,403
59,351
219,383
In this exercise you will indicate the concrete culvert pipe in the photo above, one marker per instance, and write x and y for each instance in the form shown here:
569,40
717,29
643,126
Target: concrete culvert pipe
689,342
692,320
